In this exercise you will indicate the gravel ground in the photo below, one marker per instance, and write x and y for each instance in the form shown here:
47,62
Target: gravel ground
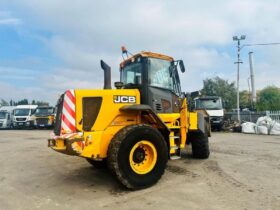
243,172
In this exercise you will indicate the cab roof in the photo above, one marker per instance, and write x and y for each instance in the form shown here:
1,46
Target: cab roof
26,106
7,108
147,54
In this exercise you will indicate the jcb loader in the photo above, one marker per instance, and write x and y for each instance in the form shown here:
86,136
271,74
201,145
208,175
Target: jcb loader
135,128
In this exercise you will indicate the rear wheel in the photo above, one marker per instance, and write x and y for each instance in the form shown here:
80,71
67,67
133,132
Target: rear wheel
137,155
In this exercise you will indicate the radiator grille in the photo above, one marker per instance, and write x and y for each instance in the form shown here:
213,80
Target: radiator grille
91,107
21,118
42,121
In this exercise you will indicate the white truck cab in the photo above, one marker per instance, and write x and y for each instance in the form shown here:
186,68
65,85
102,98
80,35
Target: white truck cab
214,107
6,117
23,116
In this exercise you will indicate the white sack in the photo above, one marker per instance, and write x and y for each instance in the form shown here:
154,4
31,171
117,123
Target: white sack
275,129
264,121
248,127
261,130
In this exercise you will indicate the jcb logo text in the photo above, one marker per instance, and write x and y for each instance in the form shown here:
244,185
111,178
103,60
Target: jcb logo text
124,99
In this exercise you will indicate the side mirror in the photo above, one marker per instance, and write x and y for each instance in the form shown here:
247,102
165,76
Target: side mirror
225,103
182,66
195,94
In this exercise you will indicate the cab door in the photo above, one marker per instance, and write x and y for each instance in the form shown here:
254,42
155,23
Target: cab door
163,86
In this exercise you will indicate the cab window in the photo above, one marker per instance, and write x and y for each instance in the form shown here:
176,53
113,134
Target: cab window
132,73
159,75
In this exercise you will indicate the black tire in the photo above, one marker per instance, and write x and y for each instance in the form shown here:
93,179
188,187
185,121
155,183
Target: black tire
200,145
219,128
119,151
97,164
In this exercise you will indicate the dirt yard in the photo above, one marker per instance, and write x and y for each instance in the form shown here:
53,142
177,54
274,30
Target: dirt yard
243,172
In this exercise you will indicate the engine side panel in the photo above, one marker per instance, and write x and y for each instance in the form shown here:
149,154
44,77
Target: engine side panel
112,100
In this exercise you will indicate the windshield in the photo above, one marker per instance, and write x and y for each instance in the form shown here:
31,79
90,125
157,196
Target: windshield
3,115
209,104
22,112
44,111
159,75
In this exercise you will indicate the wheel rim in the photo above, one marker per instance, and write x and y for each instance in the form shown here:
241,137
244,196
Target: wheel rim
143,157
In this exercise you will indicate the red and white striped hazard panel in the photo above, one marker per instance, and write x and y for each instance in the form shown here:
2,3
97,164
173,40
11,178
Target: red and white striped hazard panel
68,113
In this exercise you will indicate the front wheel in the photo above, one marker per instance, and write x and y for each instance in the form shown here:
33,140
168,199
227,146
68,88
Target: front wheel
138,156
200,145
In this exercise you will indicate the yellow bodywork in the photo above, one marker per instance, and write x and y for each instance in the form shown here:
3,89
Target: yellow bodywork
94,143
109,121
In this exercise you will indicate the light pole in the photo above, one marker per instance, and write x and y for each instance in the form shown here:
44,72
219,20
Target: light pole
238,39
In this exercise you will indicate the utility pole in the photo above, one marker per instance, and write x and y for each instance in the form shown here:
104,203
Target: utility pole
252,74
238,39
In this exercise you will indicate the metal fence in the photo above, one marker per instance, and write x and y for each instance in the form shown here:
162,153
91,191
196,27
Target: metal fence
244,116
274,115
252,116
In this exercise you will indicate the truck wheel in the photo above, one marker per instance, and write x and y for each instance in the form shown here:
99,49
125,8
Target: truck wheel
137,156
200,145
97,164
220,128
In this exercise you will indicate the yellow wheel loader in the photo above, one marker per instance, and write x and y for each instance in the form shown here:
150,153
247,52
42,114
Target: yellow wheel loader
135,128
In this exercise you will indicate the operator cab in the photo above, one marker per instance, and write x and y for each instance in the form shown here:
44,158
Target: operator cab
156,77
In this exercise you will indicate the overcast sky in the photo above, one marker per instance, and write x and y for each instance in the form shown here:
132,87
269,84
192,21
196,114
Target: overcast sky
49,46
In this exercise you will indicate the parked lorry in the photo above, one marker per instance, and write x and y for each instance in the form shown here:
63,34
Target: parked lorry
135,128
6,117
43,117
23,116
214,107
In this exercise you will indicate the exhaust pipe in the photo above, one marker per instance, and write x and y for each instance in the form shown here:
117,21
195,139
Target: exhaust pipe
107,74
